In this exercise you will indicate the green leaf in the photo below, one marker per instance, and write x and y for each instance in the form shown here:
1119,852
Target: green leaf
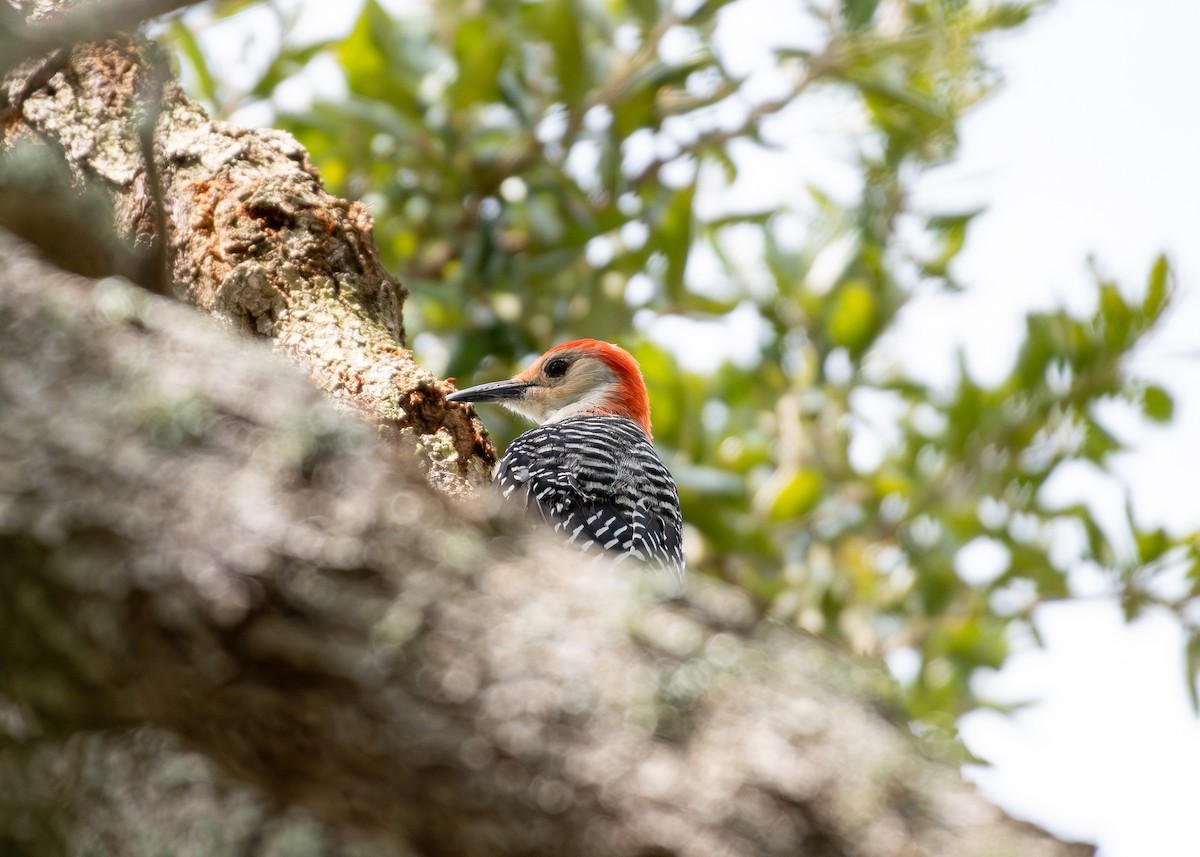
1115,317
375,63
1157,404
852,319
1157,289
1032,563
646,11
1152,545
1098,442
1006,16
796,495
634,111
951,231
480,49
675,239
562,28
858,13
705,12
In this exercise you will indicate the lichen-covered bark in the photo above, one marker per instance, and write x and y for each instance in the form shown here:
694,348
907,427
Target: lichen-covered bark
138,793
193,542
251,235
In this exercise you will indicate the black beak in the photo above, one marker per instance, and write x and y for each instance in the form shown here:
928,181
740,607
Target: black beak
497,391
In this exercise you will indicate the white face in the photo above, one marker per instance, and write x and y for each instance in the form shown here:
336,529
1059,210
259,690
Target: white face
564,384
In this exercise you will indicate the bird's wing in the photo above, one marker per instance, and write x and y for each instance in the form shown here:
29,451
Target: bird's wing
599,482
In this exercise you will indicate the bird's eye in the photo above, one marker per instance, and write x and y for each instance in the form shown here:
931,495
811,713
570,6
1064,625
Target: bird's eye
557,367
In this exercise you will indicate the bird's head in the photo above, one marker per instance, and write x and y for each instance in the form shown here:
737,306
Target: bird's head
570,380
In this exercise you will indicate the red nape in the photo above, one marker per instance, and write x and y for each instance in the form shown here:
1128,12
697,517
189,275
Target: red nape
630,399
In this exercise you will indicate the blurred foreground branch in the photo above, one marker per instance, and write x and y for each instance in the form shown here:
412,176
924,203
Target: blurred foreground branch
194,541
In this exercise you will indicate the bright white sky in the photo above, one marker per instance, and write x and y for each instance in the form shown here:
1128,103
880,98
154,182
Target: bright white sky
1092,148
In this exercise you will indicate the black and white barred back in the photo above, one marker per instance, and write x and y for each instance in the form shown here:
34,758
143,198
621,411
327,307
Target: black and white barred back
599,482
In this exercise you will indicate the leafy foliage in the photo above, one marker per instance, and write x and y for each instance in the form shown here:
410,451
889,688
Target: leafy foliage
536,171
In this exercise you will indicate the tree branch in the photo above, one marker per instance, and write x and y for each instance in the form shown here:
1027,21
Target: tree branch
194,541
251,237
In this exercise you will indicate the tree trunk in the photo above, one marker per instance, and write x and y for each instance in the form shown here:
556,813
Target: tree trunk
236,619
251,236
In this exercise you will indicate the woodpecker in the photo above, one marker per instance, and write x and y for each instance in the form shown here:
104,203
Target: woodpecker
589,468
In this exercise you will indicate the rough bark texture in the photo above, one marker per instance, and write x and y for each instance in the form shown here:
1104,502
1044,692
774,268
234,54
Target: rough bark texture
193,541
252,237
237,621
138,792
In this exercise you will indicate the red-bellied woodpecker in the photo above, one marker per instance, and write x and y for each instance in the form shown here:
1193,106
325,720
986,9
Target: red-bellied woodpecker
589,467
